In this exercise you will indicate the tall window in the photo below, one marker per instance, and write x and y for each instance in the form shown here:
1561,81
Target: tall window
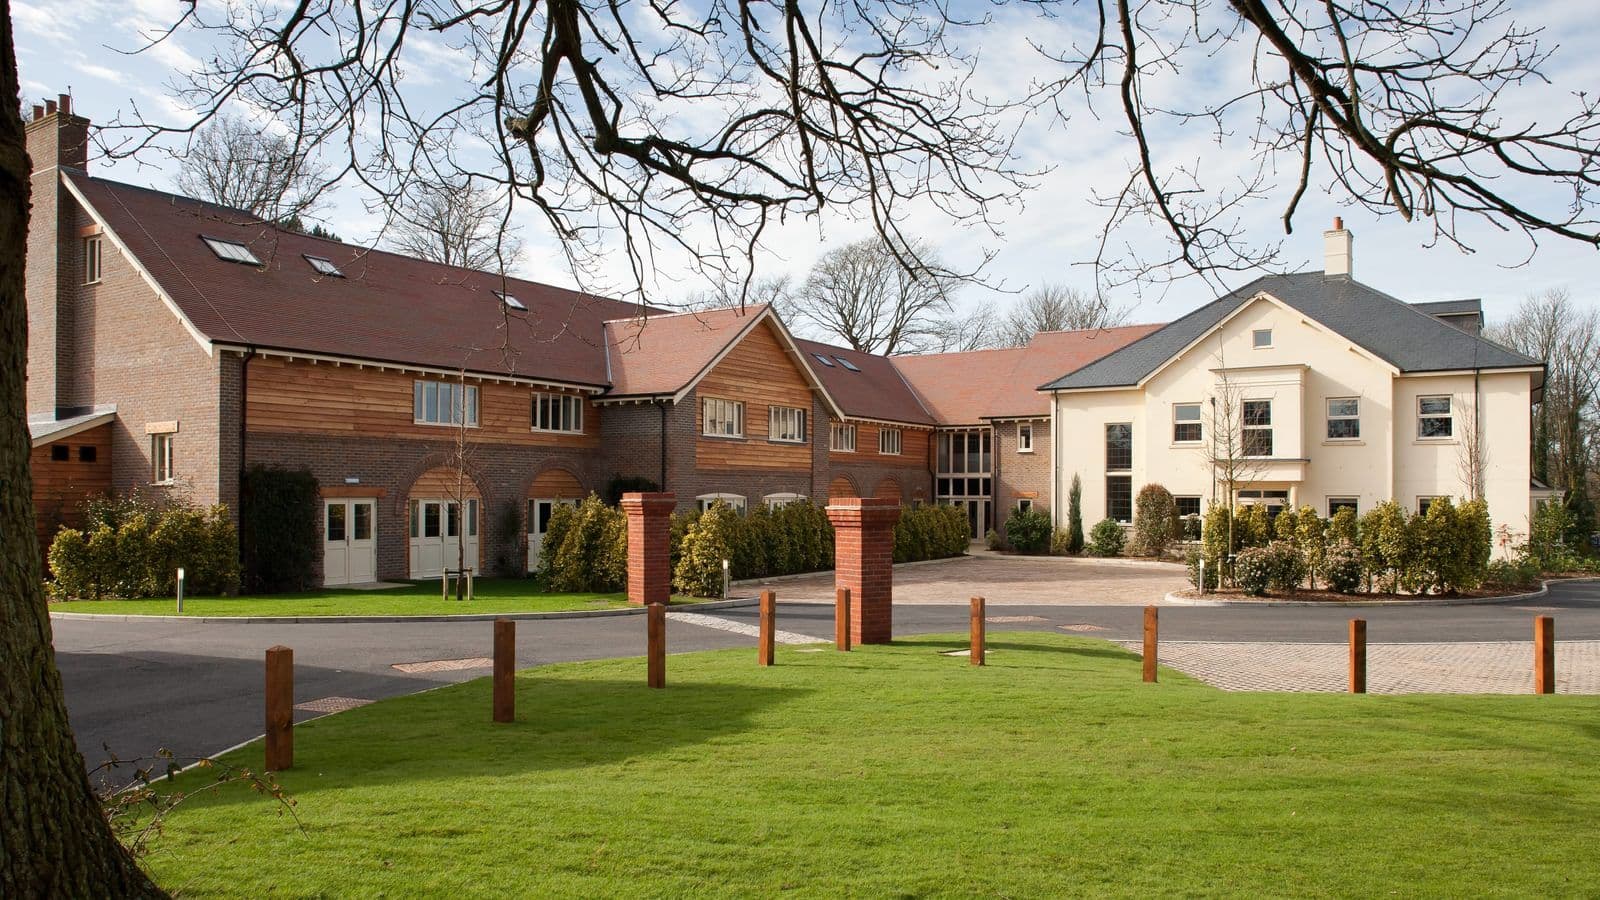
1344,418
1186,427
1119,498
889,441
1119,447
842,438
161,458
1257,428
91,259
444,403
787,424
965,452
1433,417
557,412
1024,438
722,418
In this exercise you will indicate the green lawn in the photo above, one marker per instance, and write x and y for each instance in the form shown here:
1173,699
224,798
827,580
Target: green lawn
491,595
896,771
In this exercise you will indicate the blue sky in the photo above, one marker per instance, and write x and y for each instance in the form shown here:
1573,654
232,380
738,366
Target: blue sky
1047,238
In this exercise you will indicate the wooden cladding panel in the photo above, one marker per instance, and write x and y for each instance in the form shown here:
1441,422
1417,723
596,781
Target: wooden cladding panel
555,484
761,373
61,486
323,398
440,483
914,445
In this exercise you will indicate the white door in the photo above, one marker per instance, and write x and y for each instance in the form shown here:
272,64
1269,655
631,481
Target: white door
539,513
349,541
437,536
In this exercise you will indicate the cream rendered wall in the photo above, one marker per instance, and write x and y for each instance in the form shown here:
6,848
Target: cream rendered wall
1081,421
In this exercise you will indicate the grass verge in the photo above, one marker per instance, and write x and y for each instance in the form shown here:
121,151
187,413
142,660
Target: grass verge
897,771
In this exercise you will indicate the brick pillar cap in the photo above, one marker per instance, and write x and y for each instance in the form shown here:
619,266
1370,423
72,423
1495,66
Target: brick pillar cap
863,511
863,503
638,500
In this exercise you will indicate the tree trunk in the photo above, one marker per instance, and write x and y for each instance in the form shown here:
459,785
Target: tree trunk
54,840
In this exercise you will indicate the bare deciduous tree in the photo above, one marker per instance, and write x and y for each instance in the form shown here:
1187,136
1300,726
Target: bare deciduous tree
1054,307
863,295
235,164
776,291
1234,462
458,224
961,332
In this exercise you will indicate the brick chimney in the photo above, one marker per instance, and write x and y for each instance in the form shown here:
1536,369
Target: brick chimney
1336,249
56,139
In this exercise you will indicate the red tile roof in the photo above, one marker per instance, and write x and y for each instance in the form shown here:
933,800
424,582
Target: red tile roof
388,308
875,392
969,387
661,354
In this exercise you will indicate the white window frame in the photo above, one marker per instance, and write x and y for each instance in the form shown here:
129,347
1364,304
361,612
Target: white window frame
1199,504
1024,504
773,501
92,258
736,502
1198,421
890,442
842,437
1255,338
1350,500
721,418
1245,429
556,413
786,424
468,408
1449,417
161,458
323,266
1327,431
1024,438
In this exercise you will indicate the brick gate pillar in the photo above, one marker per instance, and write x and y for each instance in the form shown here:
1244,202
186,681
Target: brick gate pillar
649,554
863,552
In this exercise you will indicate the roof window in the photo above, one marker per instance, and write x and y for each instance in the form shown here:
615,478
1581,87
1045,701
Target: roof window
231,251
847,364
823,359
510,301
324,266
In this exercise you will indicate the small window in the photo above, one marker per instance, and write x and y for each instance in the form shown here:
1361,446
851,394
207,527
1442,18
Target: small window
734,502
1344,418
786,424
847,364
1433,418
323,266
472,518
1337,503
511,301
231,251
1119,498
722,418
1024,504
822,359
1186,427
558,412
1257,428
1119,447
773,501
161,458
843,438
335,527
88,454
1423,503
1024,438
1187,506
889,441
60,453
1261,337
91,260
444,403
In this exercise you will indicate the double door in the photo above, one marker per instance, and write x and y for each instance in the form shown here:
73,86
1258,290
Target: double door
539,513
349,541
442,534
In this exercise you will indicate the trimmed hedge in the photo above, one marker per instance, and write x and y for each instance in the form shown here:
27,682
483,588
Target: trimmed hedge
1106,539
1155,520
132,547
1028,531
279,529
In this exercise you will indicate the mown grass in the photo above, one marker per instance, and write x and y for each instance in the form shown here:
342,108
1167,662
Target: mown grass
421,598
897,771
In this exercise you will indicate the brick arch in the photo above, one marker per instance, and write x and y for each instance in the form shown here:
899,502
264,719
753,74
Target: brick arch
889,489
557,480
440,481
428,463
843,485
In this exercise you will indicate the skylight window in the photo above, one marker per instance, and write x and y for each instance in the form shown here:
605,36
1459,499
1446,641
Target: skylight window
324,266
231,251
823,359
847,364
510,301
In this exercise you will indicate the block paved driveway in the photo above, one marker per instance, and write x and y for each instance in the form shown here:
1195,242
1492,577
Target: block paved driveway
1009,581
195,688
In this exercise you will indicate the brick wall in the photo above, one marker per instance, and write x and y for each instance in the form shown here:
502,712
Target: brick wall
1019,475
53,140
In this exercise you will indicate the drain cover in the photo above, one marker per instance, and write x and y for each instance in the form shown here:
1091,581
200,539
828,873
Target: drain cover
331,704
1080,626
445,665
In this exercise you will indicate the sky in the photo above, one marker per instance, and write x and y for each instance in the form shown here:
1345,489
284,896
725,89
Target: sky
1047,237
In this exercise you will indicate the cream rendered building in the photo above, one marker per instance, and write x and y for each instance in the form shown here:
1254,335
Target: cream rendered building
1334,394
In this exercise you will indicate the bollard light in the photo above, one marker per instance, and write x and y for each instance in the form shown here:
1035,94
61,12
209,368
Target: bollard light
725,582
180,590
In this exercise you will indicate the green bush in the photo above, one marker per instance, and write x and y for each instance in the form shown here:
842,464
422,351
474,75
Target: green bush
562,518
1192,559
132,546
1028,530
928,532
1106,539
993,541
1476,538
1253,569
1285,526
588,557
1547,538
1060,542
624,484
1386,545
1311,536
1287,568
1341,569
280,532
1154,516
1343,527
1075,516
708,541
1512,574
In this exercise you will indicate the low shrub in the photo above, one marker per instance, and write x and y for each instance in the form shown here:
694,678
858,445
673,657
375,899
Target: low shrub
1512,574
592,553
279,531
1154,520
1341,568
1028,530
1106,539
1287,568
708,541
925,532
132,546
1193,558
1252,570
993,541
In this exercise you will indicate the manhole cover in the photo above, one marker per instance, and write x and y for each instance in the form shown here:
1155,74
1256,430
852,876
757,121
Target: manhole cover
1080,626
331,704
445,665
1006,620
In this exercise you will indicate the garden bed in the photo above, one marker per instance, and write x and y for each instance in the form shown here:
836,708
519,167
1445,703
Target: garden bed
1326,596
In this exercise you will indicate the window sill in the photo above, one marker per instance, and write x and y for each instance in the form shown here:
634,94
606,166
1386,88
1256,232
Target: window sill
837,450
88,283
881,453
1434,441
787,441
1024,449
1344,442
1186,445
577,433
722,437
442,424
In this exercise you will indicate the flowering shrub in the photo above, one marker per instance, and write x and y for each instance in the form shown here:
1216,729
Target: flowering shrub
1342,569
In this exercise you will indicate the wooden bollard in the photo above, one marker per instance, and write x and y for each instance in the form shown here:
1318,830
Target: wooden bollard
656,645
975,655
280,708
505,665
1150,644
769,615
1358,656
841,619
1544,655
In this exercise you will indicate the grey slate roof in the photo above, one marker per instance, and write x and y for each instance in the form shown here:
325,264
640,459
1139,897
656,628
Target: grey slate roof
1451,307
1408,338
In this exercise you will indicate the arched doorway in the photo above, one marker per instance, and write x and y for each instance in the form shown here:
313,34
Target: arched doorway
445,525
551,488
